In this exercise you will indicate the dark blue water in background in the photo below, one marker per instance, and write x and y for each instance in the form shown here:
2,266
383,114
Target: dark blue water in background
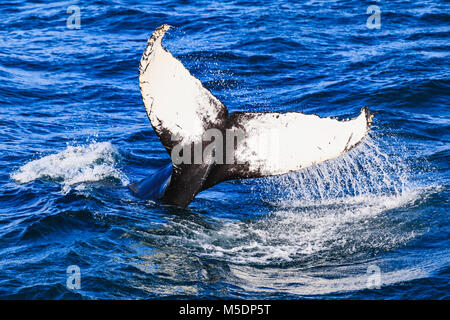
74,133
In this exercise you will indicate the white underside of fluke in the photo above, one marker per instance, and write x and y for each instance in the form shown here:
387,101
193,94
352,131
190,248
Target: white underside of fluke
274,143
277,143
174,99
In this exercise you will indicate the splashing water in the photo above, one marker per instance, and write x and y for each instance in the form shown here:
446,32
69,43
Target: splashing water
342,208
356,176
74,166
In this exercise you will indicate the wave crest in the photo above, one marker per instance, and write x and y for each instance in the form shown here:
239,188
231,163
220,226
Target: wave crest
76,165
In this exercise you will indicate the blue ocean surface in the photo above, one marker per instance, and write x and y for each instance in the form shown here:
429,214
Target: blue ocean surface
372,224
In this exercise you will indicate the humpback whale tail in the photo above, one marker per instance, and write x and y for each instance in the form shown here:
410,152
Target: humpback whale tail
194,127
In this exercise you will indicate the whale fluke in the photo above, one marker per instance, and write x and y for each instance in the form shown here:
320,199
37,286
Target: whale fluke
182,112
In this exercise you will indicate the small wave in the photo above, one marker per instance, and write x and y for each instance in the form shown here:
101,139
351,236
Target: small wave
74,166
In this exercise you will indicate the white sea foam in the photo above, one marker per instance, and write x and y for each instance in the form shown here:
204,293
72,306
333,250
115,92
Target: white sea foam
74,166
330,229
325,280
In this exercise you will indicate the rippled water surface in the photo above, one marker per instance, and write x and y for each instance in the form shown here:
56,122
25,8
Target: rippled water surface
74,134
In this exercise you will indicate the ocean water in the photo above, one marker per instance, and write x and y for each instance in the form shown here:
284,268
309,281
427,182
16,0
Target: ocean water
372,224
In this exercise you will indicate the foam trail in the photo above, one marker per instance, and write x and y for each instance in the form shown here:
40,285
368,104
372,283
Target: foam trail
76,165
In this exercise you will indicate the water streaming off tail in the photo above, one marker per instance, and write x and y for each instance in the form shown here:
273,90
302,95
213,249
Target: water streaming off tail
362,174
